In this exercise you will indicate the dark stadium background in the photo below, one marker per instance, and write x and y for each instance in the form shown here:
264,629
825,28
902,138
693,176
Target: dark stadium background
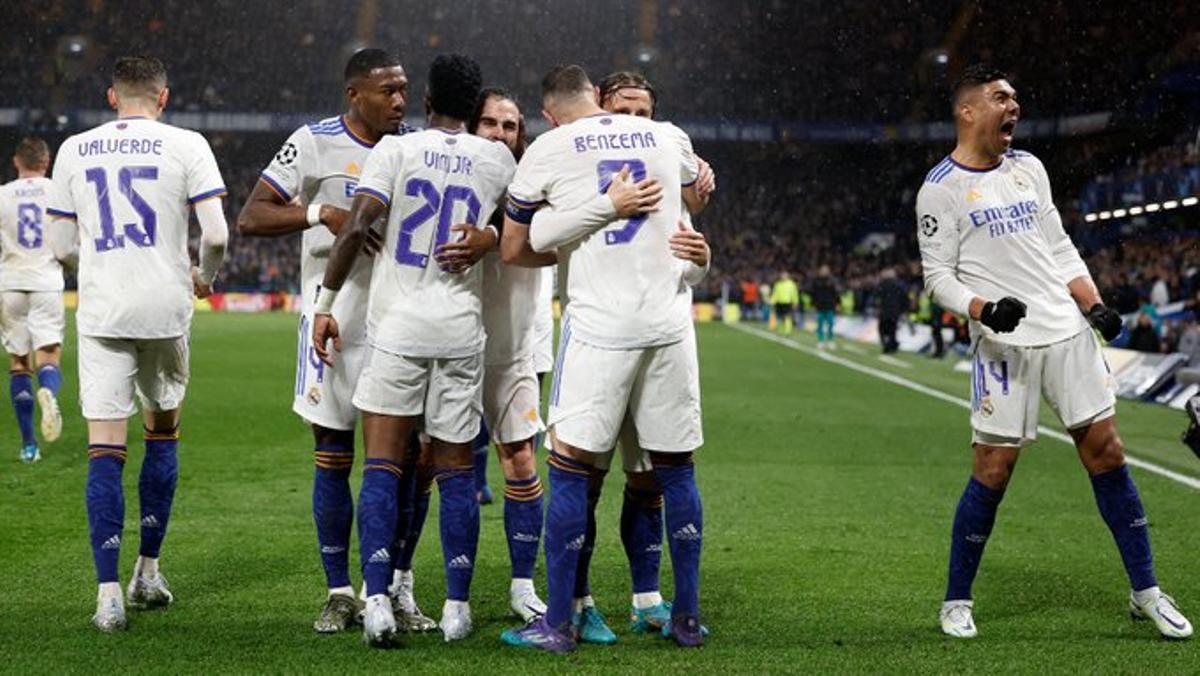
837,109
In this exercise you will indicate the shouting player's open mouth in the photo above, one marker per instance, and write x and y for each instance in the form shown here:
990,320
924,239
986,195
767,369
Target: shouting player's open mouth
1006,130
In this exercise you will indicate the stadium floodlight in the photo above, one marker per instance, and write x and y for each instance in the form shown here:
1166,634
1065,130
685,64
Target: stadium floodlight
1119,213
1153,207
1105,215
1170,204
1090,218
1135,211
1190,201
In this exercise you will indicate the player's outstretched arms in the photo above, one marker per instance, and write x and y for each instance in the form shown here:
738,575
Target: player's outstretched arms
1002,316
266,214
459,256
214,238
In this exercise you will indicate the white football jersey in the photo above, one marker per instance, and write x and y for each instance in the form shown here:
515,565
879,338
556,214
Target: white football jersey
430,180
26,261
511,303
622,281
130,184
994,233
321,162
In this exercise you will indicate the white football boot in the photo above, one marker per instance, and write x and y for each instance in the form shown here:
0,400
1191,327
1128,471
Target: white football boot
456,620
379,624
1151,604
958,619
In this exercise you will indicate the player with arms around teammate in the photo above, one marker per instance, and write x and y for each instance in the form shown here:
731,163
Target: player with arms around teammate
994,249
626,346
130,186
628,93
308,188
425,331
31,286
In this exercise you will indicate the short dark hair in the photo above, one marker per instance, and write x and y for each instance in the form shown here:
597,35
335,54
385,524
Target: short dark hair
626,79
485,94
32,153
366,60
974,75
454,82
565,79
139,75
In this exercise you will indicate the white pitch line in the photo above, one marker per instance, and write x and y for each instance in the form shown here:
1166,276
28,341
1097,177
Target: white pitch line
1186,480
888,359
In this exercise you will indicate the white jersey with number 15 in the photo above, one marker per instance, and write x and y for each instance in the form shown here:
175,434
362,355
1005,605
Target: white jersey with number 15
130,185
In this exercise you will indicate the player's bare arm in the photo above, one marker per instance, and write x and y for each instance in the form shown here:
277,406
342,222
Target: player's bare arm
266,214
350,241
516,250
706,180
693,199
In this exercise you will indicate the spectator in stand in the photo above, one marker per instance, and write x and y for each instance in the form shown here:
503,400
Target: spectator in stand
824,293
1144,338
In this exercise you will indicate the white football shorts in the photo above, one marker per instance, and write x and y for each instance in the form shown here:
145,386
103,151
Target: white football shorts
1007,380
323,394
510,401
447,391
112,370
30,320
595,388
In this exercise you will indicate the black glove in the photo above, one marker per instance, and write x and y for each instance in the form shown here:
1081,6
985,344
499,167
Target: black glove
1105,320
1002,316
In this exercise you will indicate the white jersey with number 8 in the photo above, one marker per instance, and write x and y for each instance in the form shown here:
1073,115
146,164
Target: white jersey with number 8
26,261
130,185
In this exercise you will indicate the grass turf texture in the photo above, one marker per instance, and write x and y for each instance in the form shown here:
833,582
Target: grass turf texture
828,501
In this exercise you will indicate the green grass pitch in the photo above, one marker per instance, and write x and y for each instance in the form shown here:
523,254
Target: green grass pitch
828,499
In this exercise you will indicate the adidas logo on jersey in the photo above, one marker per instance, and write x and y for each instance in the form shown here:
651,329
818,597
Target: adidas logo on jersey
381,555
576,544
524,537
150,521
460,561
688,532
113,542
326,549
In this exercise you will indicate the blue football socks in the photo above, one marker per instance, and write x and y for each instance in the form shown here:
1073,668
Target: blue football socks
973,521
